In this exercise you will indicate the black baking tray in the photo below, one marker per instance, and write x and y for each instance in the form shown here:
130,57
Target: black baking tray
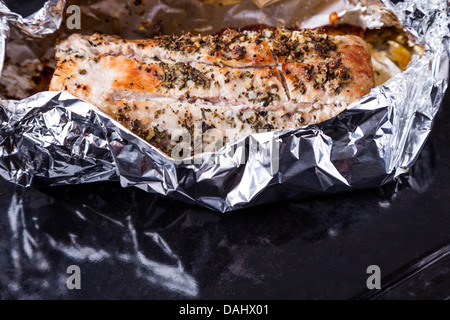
130,244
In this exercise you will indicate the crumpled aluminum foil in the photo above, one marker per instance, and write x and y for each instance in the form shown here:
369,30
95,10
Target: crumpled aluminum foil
53,138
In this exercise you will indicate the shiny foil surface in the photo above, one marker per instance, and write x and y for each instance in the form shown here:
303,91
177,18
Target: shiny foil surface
52,138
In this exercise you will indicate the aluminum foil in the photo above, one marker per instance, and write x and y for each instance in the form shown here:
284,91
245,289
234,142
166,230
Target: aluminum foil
53,138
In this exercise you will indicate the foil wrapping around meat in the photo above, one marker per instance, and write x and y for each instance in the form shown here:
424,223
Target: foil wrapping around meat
53,138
